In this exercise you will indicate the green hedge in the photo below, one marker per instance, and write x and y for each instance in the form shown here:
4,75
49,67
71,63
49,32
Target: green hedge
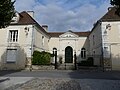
88,62
41,58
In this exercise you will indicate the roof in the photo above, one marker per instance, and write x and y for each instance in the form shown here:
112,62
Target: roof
26,19
55,34
81,34
111,15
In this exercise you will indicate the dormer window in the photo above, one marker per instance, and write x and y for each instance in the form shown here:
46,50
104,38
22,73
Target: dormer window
15,19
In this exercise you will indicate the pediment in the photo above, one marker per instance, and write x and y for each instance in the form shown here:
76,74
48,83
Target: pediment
68,35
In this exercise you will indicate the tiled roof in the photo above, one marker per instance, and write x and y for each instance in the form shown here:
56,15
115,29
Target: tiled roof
82,34
57,34
111,15
26,19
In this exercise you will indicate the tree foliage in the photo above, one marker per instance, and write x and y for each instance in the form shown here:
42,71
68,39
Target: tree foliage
7,12
116,3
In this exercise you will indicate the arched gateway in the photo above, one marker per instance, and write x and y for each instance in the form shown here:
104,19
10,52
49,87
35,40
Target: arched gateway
68,54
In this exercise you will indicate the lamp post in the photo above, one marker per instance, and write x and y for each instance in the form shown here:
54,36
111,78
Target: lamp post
55,56
75,61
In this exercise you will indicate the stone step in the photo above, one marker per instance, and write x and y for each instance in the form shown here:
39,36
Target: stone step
66,66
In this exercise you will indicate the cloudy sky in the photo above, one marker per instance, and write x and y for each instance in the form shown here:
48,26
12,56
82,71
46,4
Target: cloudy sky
64,15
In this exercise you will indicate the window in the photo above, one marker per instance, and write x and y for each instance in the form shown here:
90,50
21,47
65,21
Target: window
83,53
11,55
42,40
13,35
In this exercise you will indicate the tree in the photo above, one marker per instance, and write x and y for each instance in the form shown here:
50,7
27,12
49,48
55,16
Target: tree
116,3
7,12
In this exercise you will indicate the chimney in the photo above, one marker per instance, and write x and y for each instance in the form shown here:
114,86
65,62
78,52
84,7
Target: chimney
31,13
45,27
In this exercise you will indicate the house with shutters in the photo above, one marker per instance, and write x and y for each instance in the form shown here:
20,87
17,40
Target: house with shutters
24,35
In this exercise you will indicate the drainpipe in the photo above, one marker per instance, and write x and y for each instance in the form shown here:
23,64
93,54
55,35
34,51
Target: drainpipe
102,53
32,43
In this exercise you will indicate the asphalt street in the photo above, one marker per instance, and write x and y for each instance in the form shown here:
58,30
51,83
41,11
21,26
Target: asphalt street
73,74
88,80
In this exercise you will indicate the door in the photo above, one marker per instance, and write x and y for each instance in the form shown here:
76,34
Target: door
68,55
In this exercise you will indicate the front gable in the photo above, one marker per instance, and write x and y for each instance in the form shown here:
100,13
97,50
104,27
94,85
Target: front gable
68,34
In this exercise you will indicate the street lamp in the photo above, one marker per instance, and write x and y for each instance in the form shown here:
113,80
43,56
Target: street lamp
75,61
55,56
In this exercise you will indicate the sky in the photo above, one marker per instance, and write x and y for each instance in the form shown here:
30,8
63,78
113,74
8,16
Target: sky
64,15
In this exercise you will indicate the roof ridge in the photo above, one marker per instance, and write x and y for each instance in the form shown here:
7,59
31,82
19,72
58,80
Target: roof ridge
34,21
110,15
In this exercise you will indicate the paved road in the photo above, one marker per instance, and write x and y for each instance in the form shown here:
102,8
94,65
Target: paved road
109,75
89,80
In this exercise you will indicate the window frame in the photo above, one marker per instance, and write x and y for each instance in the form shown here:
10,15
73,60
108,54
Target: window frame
13,36
83,53
10,61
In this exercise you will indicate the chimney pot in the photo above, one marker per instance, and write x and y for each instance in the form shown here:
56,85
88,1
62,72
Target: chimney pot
45,27
31,13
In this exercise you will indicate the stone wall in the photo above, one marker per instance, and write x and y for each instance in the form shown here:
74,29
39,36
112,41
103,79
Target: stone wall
43,67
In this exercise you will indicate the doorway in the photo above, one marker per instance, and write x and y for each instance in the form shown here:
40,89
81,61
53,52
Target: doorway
68,54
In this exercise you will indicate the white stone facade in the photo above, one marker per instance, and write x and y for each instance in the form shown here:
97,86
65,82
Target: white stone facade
24,36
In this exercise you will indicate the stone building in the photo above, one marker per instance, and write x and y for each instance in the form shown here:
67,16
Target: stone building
25,35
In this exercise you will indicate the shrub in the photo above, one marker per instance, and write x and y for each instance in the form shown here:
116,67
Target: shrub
41,58
88,62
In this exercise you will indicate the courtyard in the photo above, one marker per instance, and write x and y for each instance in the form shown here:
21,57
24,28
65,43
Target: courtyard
59,80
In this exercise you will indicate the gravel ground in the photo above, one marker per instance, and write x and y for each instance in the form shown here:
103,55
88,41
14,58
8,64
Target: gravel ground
48,84
67,84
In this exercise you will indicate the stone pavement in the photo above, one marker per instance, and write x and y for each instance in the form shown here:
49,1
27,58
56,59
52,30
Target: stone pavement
67,84
48,84
53,80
